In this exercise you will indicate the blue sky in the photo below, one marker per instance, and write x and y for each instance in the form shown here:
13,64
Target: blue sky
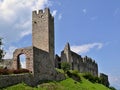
92,28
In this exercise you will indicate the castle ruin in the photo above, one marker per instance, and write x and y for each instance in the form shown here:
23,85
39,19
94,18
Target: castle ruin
40,56
76,62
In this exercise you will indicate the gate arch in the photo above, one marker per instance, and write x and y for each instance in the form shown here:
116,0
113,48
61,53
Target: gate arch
29,58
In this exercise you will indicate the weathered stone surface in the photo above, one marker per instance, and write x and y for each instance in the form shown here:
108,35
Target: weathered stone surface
8,80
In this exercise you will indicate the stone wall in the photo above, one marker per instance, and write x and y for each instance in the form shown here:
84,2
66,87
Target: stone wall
90,65
104,79
8,80
43,68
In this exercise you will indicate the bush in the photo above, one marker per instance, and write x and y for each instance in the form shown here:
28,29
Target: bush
21,71
5,71
74,75
65,66
8,71
92,78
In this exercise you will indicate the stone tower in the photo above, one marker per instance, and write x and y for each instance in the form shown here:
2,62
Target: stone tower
43,31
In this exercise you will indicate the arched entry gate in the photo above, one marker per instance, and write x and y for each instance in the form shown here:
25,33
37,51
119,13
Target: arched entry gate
28,52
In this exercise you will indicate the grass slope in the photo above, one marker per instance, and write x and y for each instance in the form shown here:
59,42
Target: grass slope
68,84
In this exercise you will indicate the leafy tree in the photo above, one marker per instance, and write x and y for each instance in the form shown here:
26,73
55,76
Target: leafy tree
65,66
2,53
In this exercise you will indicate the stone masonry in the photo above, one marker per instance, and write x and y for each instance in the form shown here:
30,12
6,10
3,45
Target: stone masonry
77,62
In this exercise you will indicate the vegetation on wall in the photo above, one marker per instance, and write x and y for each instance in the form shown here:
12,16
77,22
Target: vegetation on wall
65,66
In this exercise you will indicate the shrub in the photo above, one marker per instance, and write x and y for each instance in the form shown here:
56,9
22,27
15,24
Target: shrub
92,78
74,75
21,71
5,71
65,66
8,71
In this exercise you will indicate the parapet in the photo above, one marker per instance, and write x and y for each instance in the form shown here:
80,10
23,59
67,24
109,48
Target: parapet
42,12
88,59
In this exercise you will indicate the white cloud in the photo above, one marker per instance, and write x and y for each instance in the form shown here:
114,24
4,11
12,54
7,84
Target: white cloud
84,11
115,81
54,13
23,64
86,48
15,17
9,52
23,61
60,16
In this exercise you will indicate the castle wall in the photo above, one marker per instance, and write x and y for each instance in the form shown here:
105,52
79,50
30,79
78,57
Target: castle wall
8,80
78,63
91,66
43,68
104,79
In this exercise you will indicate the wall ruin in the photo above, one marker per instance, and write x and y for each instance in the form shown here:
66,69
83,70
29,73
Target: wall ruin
77,62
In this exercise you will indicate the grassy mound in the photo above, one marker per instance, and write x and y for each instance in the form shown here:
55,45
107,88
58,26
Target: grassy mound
68,84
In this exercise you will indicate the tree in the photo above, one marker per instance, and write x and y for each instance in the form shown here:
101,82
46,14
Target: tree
2,53
65,66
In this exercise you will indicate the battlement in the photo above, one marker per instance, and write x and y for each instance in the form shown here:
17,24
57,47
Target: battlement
89,60
42,13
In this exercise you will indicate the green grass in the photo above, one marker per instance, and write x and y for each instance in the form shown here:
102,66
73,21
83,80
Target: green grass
68,84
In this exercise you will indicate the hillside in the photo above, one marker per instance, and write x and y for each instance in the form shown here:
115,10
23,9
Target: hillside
68,84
